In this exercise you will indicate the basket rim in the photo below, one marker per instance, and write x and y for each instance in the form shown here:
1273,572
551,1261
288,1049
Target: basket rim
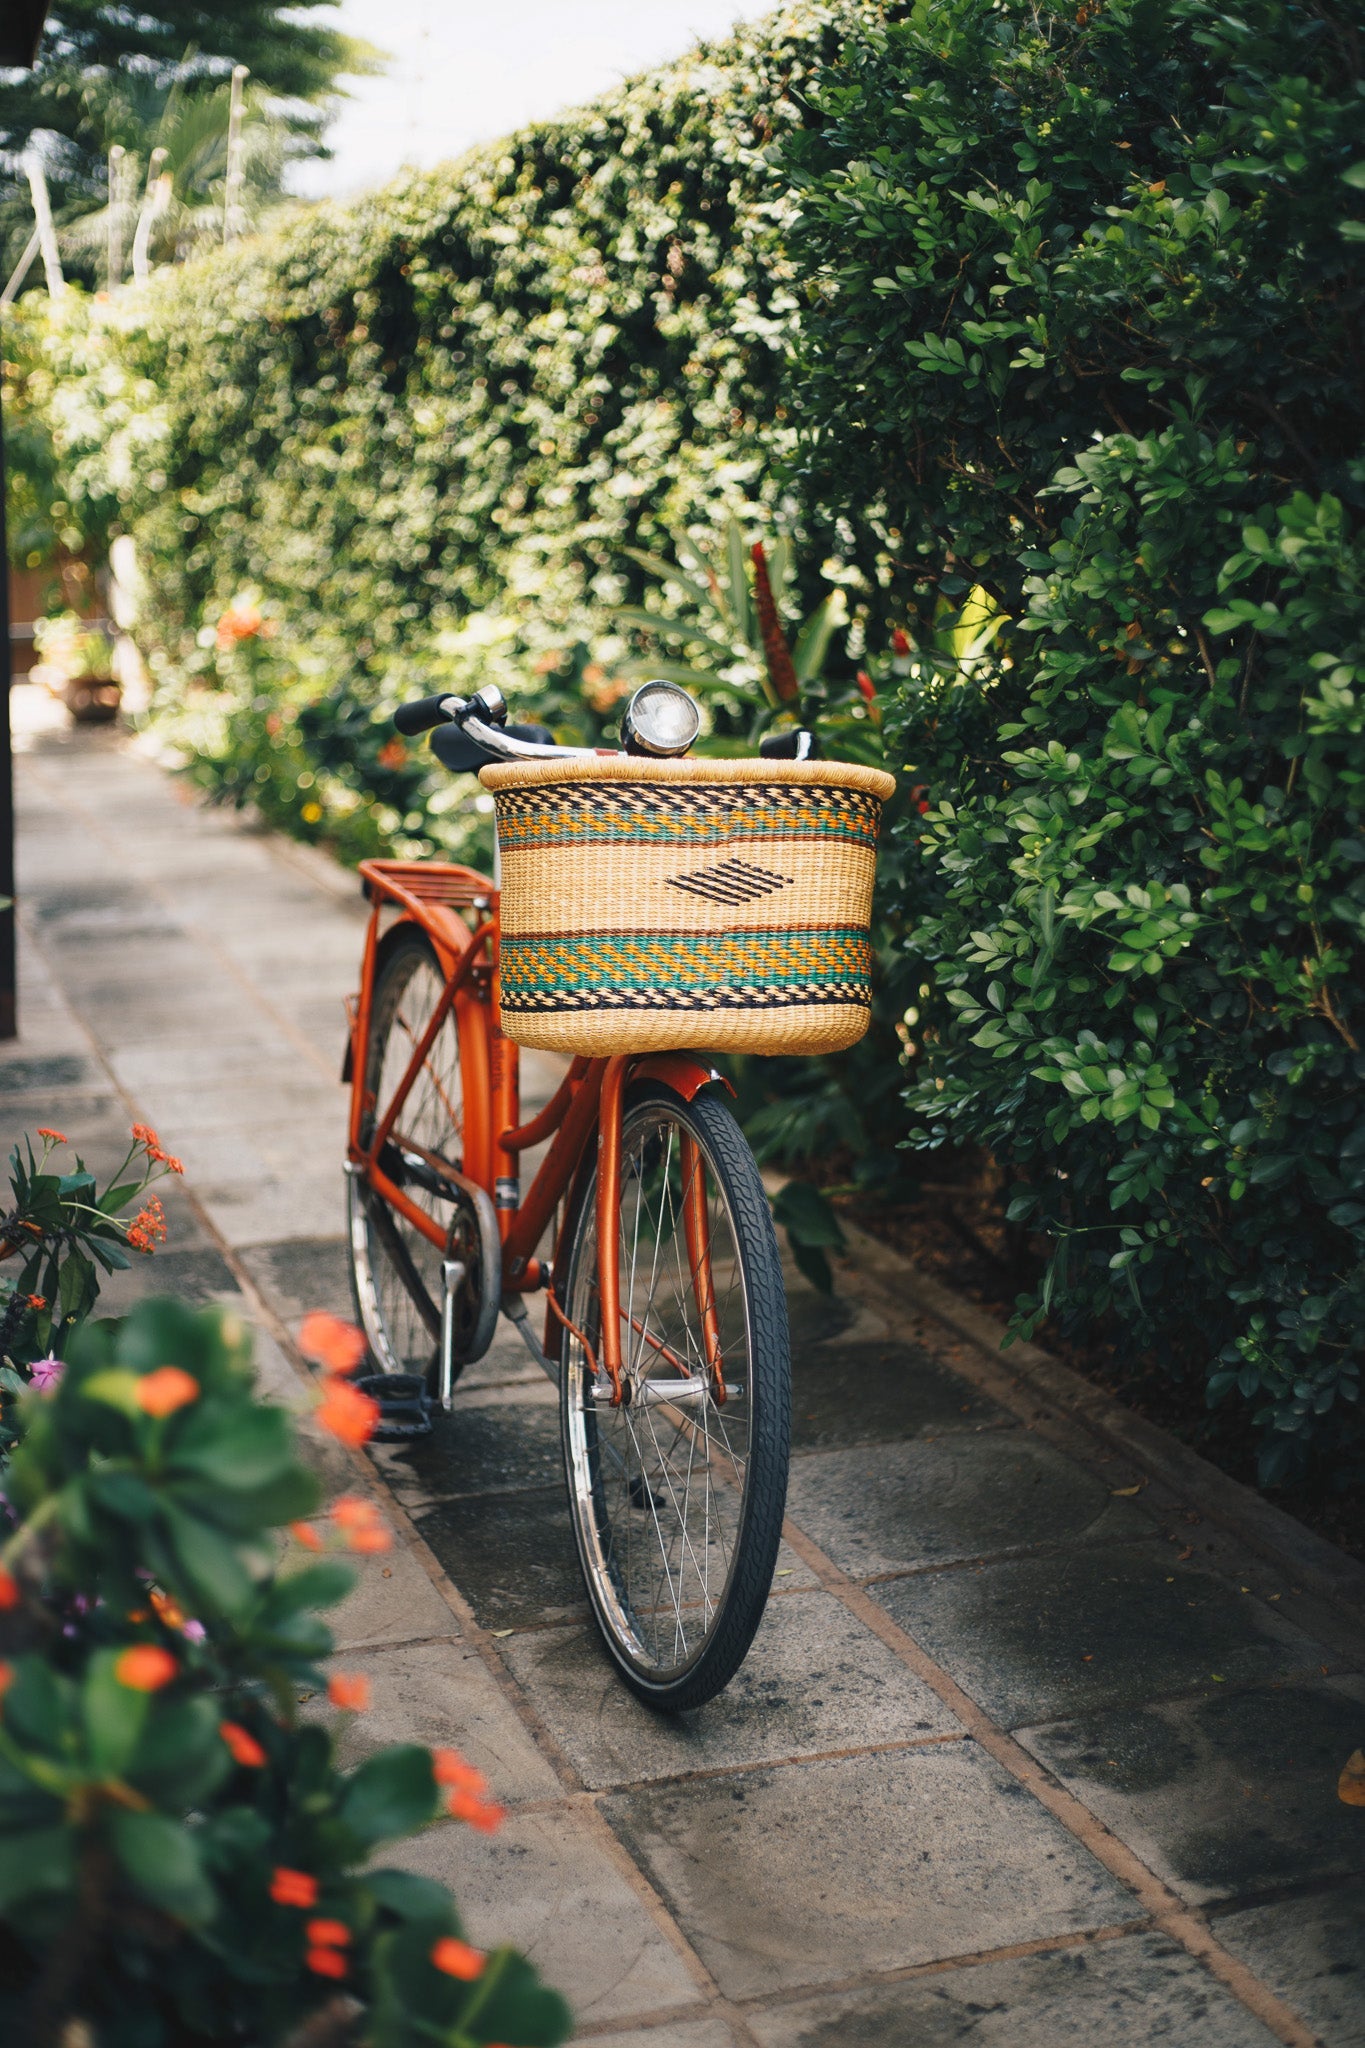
639,768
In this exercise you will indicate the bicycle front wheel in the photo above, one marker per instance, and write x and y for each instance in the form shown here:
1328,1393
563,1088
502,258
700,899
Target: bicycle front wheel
677,1503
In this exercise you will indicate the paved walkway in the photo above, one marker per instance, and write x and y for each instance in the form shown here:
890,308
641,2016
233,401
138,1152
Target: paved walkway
1029,1751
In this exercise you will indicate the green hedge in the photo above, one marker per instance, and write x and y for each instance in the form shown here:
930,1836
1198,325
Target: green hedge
421,428
1086,329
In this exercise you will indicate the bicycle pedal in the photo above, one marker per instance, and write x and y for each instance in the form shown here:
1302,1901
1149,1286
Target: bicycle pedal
404,1405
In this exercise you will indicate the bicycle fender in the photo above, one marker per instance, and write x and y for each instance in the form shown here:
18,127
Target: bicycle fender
680,1072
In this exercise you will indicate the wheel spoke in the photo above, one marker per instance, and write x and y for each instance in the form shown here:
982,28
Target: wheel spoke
660,1488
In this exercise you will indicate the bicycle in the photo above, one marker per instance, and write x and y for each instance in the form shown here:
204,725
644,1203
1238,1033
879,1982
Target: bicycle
665,1328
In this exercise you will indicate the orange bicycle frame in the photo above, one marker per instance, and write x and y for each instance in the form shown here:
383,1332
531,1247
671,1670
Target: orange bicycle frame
441,899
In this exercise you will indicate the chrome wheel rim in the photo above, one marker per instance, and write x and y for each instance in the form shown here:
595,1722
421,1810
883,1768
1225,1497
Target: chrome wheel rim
657,1487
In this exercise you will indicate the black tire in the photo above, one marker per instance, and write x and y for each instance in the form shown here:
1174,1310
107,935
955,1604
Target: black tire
395,1271
645,1548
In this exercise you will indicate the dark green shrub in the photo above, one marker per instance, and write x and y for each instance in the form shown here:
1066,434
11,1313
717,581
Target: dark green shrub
424,428
1085,330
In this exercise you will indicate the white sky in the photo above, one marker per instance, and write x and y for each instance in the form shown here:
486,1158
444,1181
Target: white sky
466,71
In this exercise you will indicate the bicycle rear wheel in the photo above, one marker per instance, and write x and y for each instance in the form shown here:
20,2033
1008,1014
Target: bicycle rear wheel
677,1504
395,1270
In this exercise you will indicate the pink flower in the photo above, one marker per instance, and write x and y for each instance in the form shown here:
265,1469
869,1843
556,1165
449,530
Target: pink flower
193,1631
46,1373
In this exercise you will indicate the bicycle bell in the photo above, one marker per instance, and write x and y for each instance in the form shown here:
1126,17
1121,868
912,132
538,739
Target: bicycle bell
660,719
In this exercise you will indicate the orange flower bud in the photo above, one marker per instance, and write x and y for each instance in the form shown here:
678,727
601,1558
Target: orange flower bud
335,1345
326,1962
293,1888
458,1959
448,1767
304,1533
246,1750
9,1590
479,1814
347,1413
328,1934
349,1690
168,1388
146,1667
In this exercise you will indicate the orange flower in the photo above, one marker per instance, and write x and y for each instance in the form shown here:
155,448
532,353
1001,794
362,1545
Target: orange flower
326,1962
145,1135
245,1749
293,1888
175,1165
335,1345
327,1934
392,754
36,1301
9,1590
148,1228
480,1814
6,1677
53,1137
146,1667
168,1388
458,1959
347,1413
350,1690
303,1533
448,1767
360,1523
167,1610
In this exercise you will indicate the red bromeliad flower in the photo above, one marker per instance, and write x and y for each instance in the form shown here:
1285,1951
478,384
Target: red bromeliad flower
146,1667
867,689
9,1590
337,1346
776,653
347,1413
293,1888
243,1746
458,1959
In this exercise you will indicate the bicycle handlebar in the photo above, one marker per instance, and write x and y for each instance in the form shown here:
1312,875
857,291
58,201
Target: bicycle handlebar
425,713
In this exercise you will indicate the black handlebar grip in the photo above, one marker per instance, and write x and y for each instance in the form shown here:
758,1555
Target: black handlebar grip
422,715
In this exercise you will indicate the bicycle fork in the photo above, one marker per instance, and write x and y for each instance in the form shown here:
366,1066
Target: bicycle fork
697,1227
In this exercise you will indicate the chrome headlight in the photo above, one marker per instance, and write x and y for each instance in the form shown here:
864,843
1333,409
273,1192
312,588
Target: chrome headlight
660,719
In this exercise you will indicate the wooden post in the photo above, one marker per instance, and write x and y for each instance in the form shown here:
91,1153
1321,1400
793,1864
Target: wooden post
20,28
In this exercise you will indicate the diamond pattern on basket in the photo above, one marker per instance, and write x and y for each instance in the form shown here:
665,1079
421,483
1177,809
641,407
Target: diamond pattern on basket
733,881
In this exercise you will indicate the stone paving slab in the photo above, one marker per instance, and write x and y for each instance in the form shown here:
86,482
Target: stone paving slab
1129,1993
1101,1625
1312,1952
827,1870
547,1883
892,1507
1226,1795
811,1683
763,1873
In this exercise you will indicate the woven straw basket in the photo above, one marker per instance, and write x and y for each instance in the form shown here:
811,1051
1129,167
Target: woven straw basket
648,905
